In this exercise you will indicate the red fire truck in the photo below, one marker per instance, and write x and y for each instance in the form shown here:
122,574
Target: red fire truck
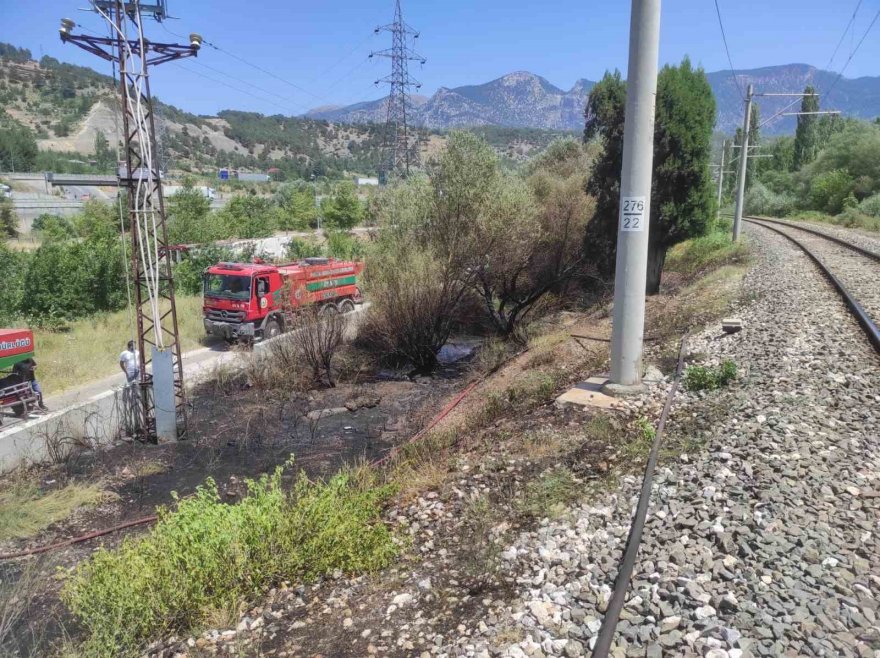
15,345
254,300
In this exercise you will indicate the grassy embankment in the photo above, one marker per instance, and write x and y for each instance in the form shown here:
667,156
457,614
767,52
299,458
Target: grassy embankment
89,348
851,219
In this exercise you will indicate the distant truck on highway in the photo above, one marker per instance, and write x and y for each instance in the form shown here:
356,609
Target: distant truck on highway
256,300
207,192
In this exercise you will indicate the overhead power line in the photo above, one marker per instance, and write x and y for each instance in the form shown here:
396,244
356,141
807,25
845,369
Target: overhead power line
727,50
853,53
843,36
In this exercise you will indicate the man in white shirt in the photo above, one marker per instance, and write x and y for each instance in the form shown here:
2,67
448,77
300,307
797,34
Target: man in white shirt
129,362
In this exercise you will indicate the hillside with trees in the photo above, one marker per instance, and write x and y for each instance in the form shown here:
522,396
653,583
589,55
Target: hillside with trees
55,115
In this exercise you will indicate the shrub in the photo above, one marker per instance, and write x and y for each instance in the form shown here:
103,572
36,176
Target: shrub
317,338
208,555
871,206
13,265
68,280
344,246
343,210
53,227
414,297
855,218
709,378
247,216
706,252
829,191
299,248
761,201
188,272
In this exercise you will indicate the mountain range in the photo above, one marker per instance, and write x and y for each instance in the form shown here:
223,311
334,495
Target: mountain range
526,100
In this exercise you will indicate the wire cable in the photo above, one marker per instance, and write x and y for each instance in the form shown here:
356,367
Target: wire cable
853,53
843,36
126,265
727,50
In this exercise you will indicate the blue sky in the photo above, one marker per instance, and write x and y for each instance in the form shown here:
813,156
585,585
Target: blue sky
319,49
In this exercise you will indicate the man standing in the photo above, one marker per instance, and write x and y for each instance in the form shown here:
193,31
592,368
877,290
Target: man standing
26,371
129,362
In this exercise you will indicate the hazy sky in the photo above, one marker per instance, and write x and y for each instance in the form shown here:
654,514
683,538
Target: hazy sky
319,49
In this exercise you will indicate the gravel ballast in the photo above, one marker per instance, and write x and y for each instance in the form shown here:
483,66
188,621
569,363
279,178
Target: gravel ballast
766,543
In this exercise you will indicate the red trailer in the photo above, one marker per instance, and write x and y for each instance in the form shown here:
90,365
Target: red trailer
253,300
15,345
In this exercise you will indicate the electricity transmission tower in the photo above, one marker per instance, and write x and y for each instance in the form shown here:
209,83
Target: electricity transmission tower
160,403
401,144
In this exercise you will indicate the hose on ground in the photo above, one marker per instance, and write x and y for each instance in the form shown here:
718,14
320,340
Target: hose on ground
77,540
624,574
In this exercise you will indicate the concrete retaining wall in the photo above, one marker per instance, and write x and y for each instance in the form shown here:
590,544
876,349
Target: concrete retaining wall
95,423
103,419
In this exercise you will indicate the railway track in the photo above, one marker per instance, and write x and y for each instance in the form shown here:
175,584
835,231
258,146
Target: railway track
852,270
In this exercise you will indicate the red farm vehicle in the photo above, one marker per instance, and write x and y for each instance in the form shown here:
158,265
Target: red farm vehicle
255,300
16,394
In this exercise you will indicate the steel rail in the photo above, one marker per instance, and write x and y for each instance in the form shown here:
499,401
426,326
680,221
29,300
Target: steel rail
624,573
873,255
861,316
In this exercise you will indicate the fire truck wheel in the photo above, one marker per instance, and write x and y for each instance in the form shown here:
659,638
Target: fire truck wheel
329,309
347,306
272,329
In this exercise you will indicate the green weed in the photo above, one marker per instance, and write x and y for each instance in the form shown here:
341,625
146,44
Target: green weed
704,253
206,556
550,494
708,378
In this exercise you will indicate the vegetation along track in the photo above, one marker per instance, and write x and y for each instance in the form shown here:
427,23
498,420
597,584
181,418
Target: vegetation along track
852,270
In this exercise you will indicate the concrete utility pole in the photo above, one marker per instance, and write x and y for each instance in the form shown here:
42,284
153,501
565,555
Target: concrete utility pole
743,166
635,196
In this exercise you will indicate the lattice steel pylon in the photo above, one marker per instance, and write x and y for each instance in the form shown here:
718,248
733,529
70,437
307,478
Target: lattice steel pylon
401,142
161,386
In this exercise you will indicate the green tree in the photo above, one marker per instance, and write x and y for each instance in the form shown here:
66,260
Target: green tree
604,123
297,204
682,197
8,220
13,265
806,139
189,216
18,148
53,228
68,280
343,210
248,216
97,221
830,190
103,153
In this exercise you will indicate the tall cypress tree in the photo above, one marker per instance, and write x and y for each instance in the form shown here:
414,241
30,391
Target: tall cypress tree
604,115
806,139
682,196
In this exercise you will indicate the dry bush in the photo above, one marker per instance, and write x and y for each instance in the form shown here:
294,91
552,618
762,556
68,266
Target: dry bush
415,297
316,338
301,358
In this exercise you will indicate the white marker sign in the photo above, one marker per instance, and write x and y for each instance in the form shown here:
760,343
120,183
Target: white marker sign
632,213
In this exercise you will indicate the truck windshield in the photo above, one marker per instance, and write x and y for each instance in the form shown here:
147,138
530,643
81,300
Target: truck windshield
230,286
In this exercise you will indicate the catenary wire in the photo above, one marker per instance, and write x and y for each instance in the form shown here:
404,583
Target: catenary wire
727,50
